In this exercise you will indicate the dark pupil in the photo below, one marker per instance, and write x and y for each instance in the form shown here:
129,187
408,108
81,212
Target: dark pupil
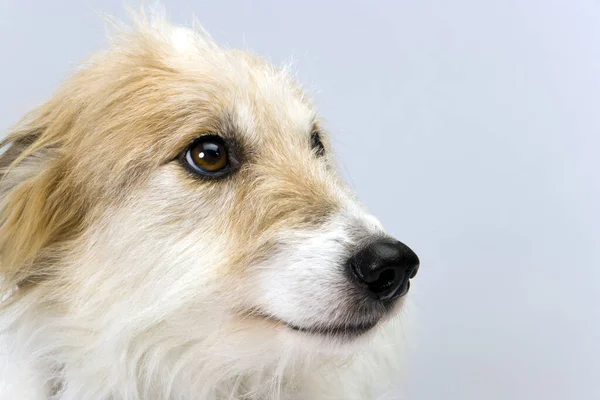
210,153
317,145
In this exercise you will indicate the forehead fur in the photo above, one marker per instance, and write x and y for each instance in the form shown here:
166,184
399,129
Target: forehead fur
125,113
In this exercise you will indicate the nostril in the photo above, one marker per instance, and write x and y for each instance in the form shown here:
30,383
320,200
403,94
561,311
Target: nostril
384,282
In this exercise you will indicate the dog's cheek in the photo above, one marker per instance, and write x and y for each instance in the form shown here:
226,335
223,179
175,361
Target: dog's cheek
157,248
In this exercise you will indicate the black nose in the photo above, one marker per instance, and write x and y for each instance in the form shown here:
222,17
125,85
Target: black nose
383,268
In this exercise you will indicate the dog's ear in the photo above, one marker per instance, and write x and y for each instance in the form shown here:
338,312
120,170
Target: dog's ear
36,211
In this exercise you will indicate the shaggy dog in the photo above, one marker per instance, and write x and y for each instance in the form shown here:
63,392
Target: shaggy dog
173,227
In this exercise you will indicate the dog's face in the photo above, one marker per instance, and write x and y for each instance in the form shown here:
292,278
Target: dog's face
194,187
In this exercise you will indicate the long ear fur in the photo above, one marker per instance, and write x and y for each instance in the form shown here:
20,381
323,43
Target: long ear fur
36,209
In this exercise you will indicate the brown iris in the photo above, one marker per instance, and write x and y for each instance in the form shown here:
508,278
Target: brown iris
208,156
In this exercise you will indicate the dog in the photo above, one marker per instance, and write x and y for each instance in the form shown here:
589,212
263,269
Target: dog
173,227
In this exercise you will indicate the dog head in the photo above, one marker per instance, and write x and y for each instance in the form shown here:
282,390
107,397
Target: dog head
174,183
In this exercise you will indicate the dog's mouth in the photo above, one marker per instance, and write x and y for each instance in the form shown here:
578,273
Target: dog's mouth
347,331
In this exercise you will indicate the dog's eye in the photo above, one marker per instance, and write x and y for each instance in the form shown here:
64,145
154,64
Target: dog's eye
316,144
208,156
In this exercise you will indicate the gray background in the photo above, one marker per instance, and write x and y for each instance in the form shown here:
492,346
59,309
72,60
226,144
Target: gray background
471,128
